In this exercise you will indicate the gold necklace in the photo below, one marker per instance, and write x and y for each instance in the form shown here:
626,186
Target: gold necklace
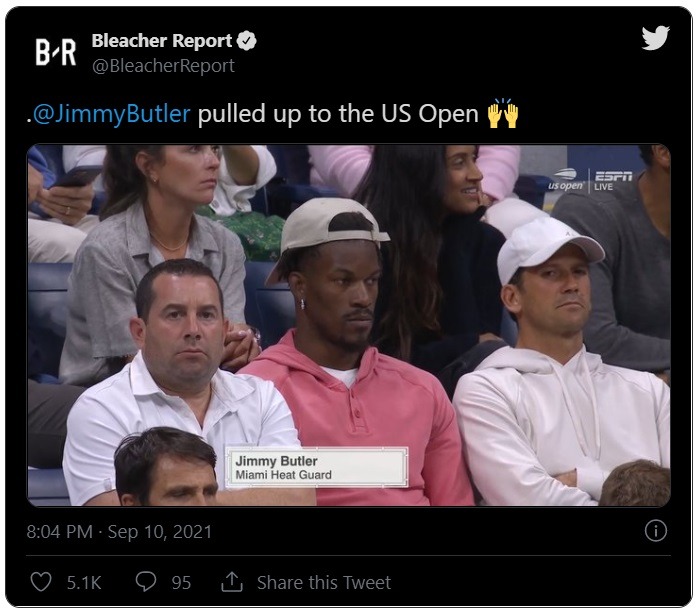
170,249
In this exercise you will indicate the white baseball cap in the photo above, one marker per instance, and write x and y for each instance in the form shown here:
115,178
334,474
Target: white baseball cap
307,226
535,242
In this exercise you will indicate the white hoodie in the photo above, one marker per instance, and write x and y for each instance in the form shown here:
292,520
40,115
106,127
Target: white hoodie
525,418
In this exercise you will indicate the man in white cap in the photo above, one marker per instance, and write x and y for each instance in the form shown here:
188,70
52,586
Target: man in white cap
341,391
545,422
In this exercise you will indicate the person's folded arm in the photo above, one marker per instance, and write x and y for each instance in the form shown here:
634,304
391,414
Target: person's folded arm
504,466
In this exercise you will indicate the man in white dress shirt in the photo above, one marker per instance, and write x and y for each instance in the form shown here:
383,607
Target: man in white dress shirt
175,381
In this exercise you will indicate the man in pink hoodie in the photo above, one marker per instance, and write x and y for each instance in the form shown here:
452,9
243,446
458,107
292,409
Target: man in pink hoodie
341,391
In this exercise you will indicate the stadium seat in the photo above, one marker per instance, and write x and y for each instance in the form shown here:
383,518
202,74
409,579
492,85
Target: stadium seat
256,273
291,186
532,189
259,201
269,309
277,313
47,306
47,487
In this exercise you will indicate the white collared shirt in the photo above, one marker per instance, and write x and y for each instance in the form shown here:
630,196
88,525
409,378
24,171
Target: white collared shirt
244,410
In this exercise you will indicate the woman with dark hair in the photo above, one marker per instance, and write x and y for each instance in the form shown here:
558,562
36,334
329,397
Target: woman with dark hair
152,194
440,292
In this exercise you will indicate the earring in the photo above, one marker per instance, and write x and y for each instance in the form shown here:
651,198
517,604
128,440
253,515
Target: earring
154,180
303,304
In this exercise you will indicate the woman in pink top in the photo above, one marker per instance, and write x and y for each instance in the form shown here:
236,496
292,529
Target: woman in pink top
342,167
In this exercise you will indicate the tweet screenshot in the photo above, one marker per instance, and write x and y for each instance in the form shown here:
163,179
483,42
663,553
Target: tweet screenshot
347,307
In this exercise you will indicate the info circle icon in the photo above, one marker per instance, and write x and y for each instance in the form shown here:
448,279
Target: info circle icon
656,530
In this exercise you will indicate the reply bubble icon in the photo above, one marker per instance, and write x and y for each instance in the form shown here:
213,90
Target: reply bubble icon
146,580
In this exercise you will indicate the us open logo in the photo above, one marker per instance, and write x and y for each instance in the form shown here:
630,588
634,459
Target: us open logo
45,53
568,175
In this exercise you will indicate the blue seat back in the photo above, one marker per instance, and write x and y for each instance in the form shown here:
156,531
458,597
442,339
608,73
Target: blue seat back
532,189
256,273
291,186
277,313
47,308
47,487
259,201
293,163
270,309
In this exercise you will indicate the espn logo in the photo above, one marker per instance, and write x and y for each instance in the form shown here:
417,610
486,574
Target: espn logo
613,176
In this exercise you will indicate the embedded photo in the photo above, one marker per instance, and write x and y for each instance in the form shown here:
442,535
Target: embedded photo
349,325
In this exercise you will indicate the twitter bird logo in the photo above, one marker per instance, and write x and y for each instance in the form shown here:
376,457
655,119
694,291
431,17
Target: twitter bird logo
655,40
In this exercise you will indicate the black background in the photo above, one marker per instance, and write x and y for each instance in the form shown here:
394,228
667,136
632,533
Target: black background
578,76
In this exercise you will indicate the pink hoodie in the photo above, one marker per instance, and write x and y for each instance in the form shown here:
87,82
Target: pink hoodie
391,403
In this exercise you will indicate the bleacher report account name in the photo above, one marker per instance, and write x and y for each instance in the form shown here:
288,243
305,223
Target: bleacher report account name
177,41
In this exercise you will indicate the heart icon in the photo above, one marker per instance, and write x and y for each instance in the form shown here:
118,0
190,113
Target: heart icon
41,580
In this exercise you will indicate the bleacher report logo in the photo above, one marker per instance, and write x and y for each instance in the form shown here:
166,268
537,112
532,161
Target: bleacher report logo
45,53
